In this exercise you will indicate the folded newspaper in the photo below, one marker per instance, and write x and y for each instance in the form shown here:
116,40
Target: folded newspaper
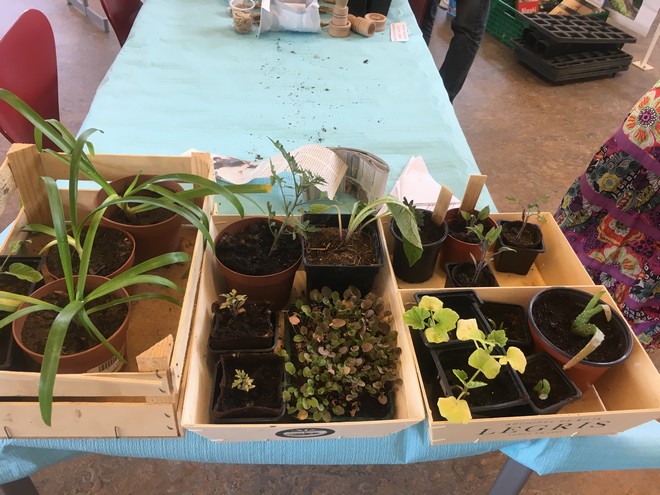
345,170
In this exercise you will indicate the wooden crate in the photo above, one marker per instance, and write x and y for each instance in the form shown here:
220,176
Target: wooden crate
409,408
624,397
143,400
557,266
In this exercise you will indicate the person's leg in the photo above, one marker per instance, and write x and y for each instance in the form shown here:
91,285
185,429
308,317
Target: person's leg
429,20
468,27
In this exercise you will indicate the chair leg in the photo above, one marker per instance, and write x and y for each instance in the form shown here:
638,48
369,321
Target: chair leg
511,480
24,486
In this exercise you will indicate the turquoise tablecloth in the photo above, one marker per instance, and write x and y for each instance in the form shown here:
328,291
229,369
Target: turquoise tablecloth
185,80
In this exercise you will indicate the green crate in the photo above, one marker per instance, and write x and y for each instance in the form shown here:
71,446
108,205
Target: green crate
506,24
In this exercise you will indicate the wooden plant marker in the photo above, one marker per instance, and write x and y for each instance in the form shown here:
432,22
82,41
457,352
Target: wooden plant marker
472,192
441,205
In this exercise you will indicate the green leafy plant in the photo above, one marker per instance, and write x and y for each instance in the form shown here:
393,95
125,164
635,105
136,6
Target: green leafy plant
18,270
471,219
81,303
581,327
242,381
302,180
542,388
456,408
529,210
362,214
343,350
485,242
431,316
233,302
137,198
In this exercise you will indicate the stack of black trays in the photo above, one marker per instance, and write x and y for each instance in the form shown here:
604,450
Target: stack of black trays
573,47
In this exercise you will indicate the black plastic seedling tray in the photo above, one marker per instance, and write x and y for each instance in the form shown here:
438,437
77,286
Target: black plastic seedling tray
577,29
544,46
583,65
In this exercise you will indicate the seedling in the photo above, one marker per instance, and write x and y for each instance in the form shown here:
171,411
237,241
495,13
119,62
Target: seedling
456,409
234,302
242,381
20,270
583,328
485,242
542,388
302,179
529,210
431,316
471,220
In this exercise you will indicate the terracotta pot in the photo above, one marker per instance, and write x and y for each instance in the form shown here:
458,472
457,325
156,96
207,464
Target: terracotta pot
93,360
128,264
455,250
587,371
275,287
423,268
151,240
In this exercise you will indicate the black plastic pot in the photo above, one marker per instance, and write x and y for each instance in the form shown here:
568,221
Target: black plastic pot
451,273
466,303
340,277
513,317
520,260
7,344
255,338
422,269
562,390
503,396
263,404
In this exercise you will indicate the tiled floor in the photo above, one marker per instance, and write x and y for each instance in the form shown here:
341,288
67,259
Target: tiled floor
527,135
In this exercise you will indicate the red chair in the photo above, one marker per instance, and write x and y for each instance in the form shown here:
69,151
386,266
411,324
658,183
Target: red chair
121,14
28,68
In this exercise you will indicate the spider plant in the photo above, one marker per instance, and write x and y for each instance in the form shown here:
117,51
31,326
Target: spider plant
132,201
81,304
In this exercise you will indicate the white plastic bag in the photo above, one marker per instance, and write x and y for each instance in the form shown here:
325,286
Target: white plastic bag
291,15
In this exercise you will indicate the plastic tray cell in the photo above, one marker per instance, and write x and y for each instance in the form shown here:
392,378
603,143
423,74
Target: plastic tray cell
577,29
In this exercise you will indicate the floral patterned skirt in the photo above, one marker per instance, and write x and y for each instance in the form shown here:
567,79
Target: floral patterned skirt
611,217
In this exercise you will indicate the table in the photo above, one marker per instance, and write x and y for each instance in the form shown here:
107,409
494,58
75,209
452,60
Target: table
184,80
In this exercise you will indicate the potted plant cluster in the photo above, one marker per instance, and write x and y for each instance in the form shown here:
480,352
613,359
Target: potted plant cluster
524,239
341,358
580,331
18,275
431,235
344,250
259,256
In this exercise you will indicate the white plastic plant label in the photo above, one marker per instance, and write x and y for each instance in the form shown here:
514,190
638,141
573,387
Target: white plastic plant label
399,31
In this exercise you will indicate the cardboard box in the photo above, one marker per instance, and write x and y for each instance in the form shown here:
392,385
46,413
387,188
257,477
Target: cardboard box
557,266
138,401
624,397
409,408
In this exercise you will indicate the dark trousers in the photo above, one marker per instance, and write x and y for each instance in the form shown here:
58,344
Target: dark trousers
468,27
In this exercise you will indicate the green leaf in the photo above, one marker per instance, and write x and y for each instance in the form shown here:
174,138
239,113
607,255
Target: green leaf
468,330
461,375
498,337
437,334
475,384
542,388
416,317
454,410
516,359
290,368
446,318
431,303
24,272
484,362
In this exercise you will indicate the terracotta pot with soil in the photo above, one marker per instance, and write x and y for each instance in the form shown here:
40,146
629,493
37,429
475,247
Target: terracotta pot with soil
242,253
9,283
113,253
330,262
512,318
251,330
462,275
155,231
432,236
503,395
460,243
527,247
80,352
551,314
562,390
248,389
